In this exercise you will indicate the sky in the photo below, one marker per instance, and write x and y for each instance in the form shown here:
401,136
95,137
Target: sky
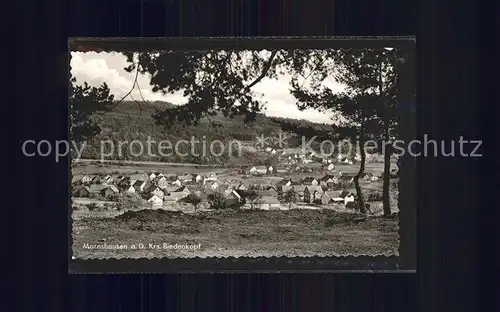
96,68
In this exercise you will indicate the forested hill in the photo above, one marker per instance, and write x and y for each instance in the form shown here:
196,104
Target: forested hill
131,121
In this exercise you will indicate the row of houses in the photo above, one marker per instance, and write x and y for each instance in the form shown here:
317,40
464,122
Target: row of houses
154,177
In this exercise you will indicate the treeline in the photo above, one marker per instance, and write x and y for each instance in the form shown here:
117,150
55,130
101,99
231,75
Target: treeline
131,121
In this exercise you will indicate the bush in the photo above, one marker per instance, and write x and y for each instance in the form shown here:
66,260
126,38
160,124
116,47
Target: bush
374,196
217,201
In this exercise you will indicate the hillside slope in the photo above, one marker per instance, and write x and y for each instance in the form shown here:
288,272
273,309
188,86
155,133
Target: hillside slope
128,122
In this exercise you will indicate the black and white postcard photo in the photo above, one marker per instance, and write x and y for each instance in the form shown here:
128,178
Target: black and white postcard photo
239,151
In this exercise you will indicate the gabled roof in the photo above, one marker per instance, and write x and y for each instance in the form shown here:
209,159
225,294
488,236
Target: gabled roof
327,177
233,193
182,189
283,182
138,183
315,188
308,180
95,188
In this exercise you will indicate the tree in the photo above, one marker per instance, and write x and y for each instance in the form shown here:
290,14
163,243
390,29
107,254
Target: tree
367,104
194,200
253,198
217,201
290,197
84,102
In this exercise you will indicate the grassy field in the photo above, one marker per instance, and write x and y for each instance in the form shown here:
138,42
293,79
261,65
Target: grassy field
237,233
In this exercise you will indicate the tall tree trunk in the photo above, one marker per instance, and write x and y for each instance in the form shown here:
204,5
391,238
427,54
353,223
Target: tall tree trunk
387,172
361,172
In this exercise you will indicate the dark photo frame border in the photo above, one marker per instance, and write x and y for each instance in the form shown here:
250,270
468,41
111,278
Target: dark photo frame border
405,262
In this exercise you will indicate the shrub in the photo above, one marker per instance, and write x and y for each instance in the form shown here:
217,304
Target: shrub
217,201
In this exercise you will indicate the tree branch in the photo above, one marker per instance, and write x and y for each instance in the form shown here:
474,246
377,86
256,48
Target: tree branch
131,89
266,68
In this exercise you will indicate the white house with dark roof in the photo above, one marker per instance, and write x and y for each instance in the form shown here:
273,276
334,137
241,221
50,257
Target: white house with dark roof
256,170
312,193
177,183
86,179
139,186
155,200
232,197
196,177
131,190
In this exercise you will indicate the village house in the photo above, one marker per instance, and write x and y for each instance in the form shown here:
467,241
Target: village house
154,190
299,189
349,199
233,198
175,196
122,181
155,174
185,178
196,178
214,186
131,190
270,169
269,203
273,152
96,180
155,200
139,186
109,190
330,197
256,170
283,183
81,191
268,149
271,187
86,179
177,183
312,193
330,167
210,177
95,189
183,189
329,180
242,187
161,182
310,181
107,179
